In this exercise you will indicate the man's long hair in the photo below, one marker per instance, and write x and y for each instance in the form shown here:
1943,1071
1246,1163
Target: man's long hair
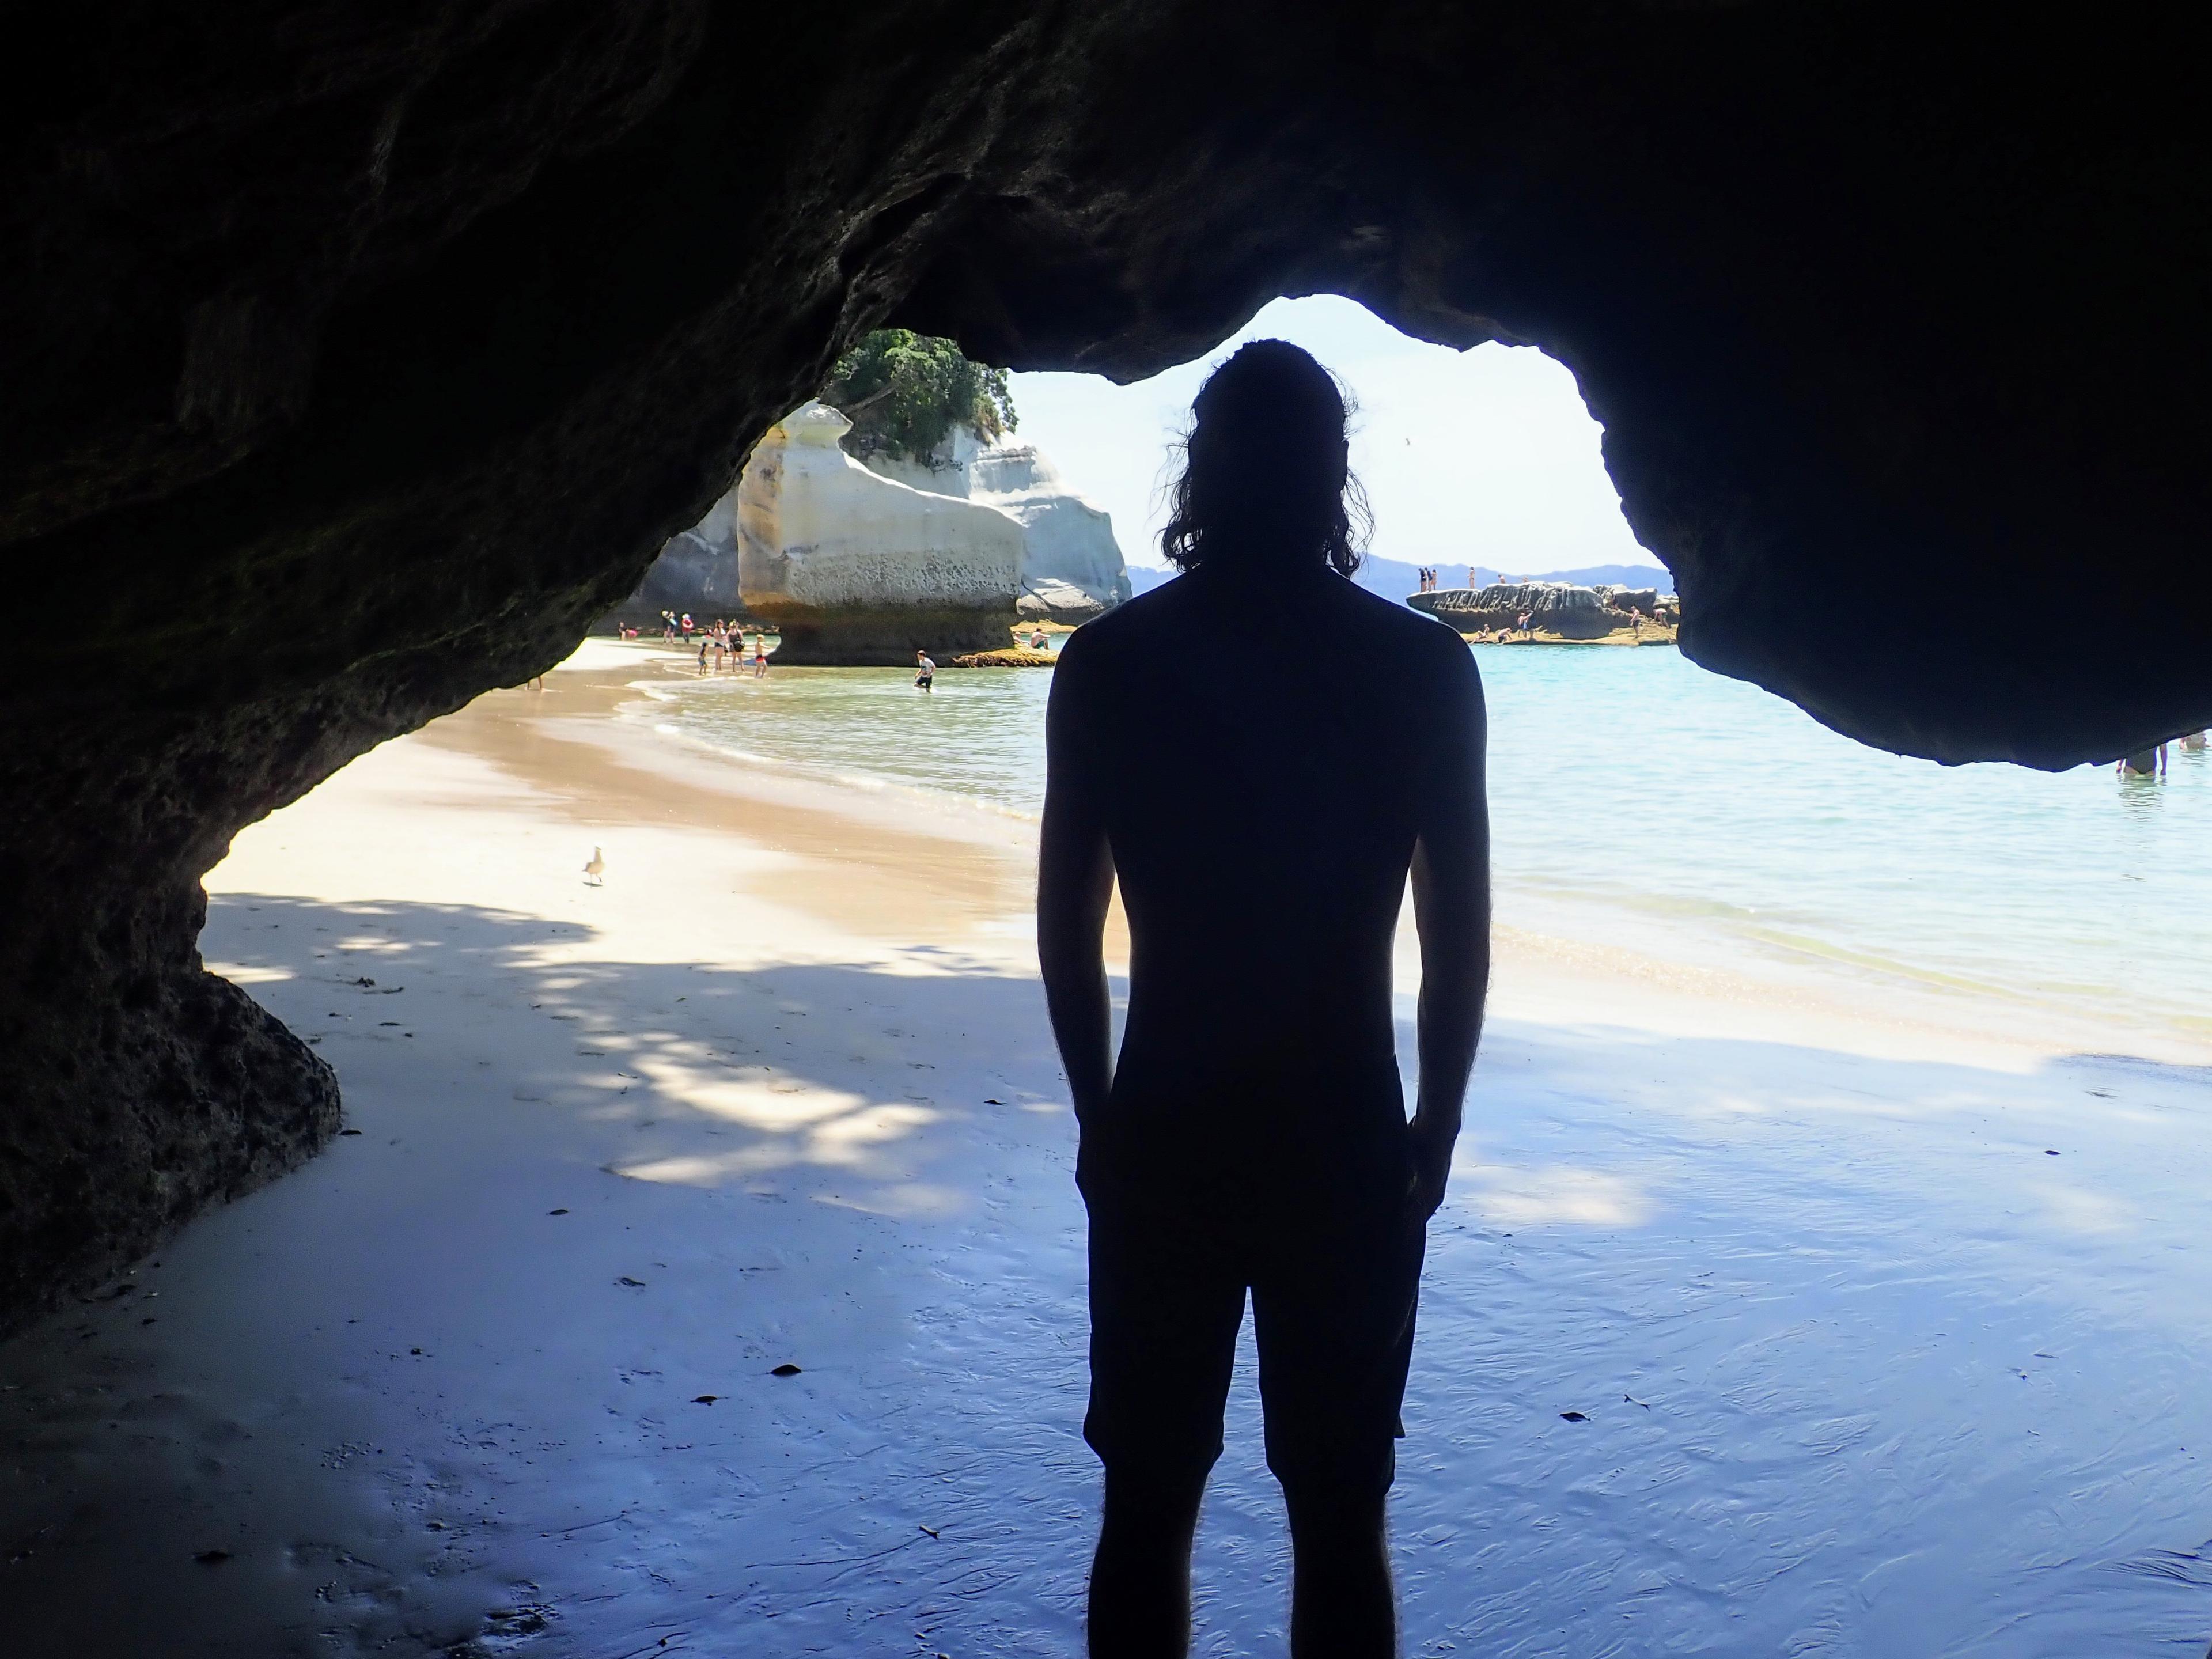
1264,480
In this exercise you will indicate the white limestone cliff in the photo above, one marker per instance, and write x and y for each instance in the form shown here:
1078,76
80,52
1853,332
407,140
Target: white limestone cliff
856,567
1071,565
863,562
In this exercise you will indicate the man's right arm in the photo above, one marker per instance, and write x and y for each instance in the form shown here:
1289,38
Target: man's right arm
1451,910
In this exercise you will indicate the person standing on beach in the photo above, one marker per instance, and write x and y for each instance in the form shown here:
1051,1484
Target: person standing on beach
924,671
1250,1136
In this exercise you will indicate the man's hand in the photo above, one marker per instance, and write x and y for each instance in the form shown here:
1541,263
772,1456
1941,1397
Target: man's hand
1432,1160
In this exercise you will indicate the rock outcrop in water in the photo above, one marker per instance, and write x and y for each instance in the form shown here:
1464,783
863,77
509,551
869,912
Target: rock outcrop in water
356,360
1646,599
1559,608
856,568
1071,568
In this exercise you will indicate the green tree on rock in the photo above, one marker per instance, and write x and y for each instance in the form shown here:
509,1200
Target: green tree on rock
904,392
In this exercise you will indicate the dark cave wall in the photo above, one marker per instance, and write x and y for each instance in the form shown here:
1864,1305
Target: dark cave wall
356,360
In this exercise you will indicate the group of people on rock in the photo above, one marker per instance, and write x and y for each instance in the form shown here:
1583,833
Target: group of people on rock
1524,625
1430,577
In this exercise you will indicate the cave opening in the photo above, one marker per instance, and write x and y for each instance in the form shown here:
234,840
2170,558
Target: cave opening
352,374
688,1033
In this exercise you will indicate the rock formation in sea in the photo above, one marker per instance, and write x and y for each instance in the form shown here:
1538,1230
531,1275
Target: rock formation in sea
1559,608
1623,599
356,362
853,567
1071,567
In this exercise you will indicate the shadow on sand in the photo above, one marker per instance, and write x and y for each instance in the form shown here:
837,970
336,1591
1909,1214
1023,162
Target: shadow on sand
1860,1365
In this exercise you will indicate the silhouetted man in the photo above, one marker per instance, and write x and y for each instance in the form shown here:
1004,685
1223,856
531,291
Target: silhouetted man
1262,818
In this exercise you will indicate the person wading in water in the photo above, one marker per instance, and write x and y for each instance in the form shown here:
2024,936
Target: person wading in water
1251,1135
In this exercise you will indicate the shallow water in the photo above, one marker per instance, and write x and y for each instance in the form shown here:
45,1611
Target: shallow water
1639,799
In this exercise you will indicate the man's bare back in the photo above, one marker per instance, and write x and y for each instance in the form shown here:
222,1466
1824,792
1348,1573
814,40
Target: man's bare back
1263,764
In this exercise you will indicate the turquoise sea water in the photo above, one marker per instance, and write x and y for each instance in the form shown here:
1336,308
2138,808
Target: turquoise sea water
1639,799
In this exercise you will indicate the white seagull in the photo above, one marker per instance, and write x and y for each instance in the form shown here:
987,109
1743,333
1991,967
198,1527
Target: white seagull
596,868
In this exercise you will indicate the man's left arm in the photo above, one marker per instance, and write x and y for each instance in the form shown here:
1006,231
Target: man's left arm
1075,884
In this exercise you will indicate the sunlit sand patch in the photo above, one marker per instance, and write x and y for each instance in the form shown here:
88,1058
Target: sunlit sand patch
597,655
893,1193
855,1132
376,942
900,1201
2081,1211
767,1102
238,973
1558,1195
852,1142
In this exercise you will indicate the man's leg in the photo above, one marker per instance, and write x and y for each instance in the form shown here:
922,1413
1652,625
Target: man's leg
1140,1577
1334,1301
1343,1605
1166,1300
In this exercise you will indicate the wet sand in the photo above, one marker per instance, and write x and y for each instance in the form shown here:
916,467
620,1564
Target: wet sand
1889,1334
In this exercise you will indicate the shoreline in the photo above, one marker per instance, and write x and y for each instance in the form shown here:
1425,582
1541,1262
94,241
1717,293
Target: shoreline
1561,959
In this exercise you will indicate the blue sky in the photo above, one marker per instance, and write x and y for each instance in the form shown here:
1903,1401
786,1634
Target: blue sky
1485,456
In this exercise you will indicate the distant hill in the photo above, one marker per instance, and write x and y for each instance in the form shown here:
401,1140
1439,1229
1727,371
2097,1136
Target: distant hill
1393,579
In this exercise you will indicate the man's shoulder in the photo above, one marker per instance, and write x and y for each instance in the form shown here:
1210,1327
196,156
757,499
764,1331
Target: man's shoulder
1403,629
1129,621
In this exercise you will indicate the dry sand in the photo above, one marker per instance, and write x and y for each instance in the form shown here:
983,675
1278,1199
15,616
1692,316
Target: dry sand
1889,1336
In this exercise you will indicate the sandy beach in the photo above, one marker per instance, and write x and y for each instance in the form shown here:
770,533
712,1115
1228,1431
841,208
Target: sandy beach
1884,1332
